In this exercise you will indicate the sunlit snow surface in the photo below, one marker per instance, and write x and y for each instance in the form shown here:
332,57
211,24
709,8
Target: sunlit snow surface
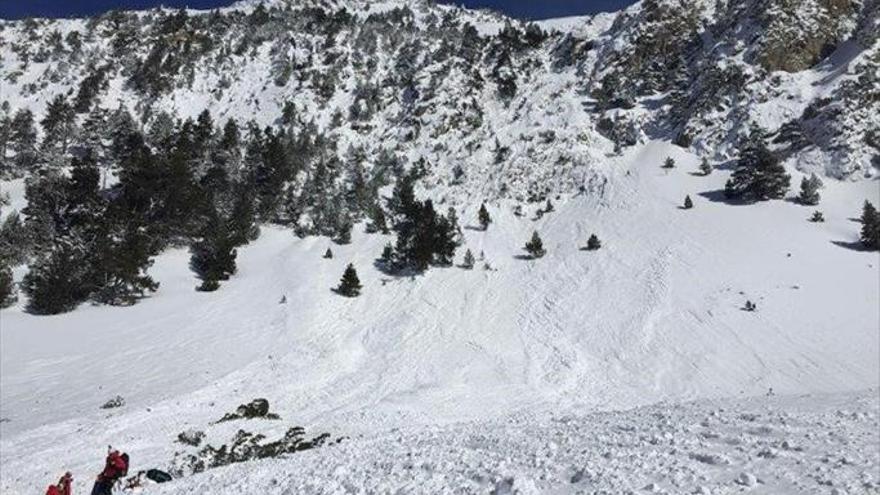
461,379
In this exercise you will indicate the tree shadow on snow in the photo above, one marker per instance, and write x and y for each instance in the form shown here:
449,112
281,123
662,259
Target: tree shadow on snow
718,196
854,246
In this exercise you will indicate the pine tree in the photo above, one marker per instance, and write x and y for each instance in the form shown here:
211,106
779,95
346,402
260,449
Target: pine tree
203,133
23,140
548,208
15,243
445,240
593,243
122,258
468,262
59,127
817,217
350,285
759,175
483,217
344,235
161,132
810,190
378,222
213,254
328,254
454,227
58,280
242,219
387,254
705,167
535,247
870,235
688,204
669,163
7,287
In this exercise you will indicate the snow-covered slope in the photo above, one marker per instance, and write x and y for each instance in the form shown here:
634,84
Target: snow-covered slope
452,367
470,89
654,315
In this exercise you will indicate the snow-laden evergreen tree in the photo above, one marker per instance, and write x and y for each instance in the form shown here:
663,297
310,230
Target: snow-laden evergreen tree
549,208
118,132
535,246
344,235
817,217
593,243
688,204
92,137
45,212
870,235
7,285
122,256
483,217
387,256
454,227
328,254
59,129
759,175
5,134
377,222
350,284
15,243
58,280
468,261
705,167
213,254
23,140
162,132
669,162
809,194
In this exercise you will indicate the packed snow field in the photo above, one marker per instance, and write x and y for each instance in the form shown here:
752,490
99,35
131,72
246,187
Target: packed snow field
807,444
500,379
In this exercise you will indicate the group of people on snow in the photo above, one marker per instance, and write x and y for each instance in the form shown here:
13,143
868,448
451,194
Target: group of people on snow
115,468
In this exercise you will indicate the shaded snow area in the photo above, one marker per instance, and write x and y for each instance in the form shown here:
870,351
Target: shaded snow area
793,445
520,378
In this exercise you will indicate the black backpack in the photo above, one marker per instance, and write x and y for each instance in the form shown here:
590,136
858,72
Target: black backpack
158,476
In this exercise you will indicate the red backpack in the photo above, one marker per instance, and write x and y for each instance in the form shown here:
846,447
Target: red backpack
124,470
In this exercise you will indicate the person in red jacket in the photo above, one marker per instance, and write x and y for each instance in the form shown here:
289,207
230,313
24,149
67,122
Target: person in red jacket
115,467
62,487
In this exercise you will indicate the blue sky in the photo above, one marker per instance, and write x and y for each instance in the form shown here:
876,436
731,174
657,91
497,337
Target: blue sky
534,9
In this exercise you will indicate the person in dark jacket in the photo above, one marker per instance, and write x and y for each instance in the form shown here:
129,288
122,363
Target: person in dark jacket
115,467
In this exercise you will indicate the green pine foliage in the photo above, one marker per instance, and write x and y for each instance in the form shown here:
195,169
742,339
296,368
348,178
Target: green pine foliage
870,235
705,167
809,194
350,284
468,261
213,254
7,286
759,175
535,246
58,279
483,217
